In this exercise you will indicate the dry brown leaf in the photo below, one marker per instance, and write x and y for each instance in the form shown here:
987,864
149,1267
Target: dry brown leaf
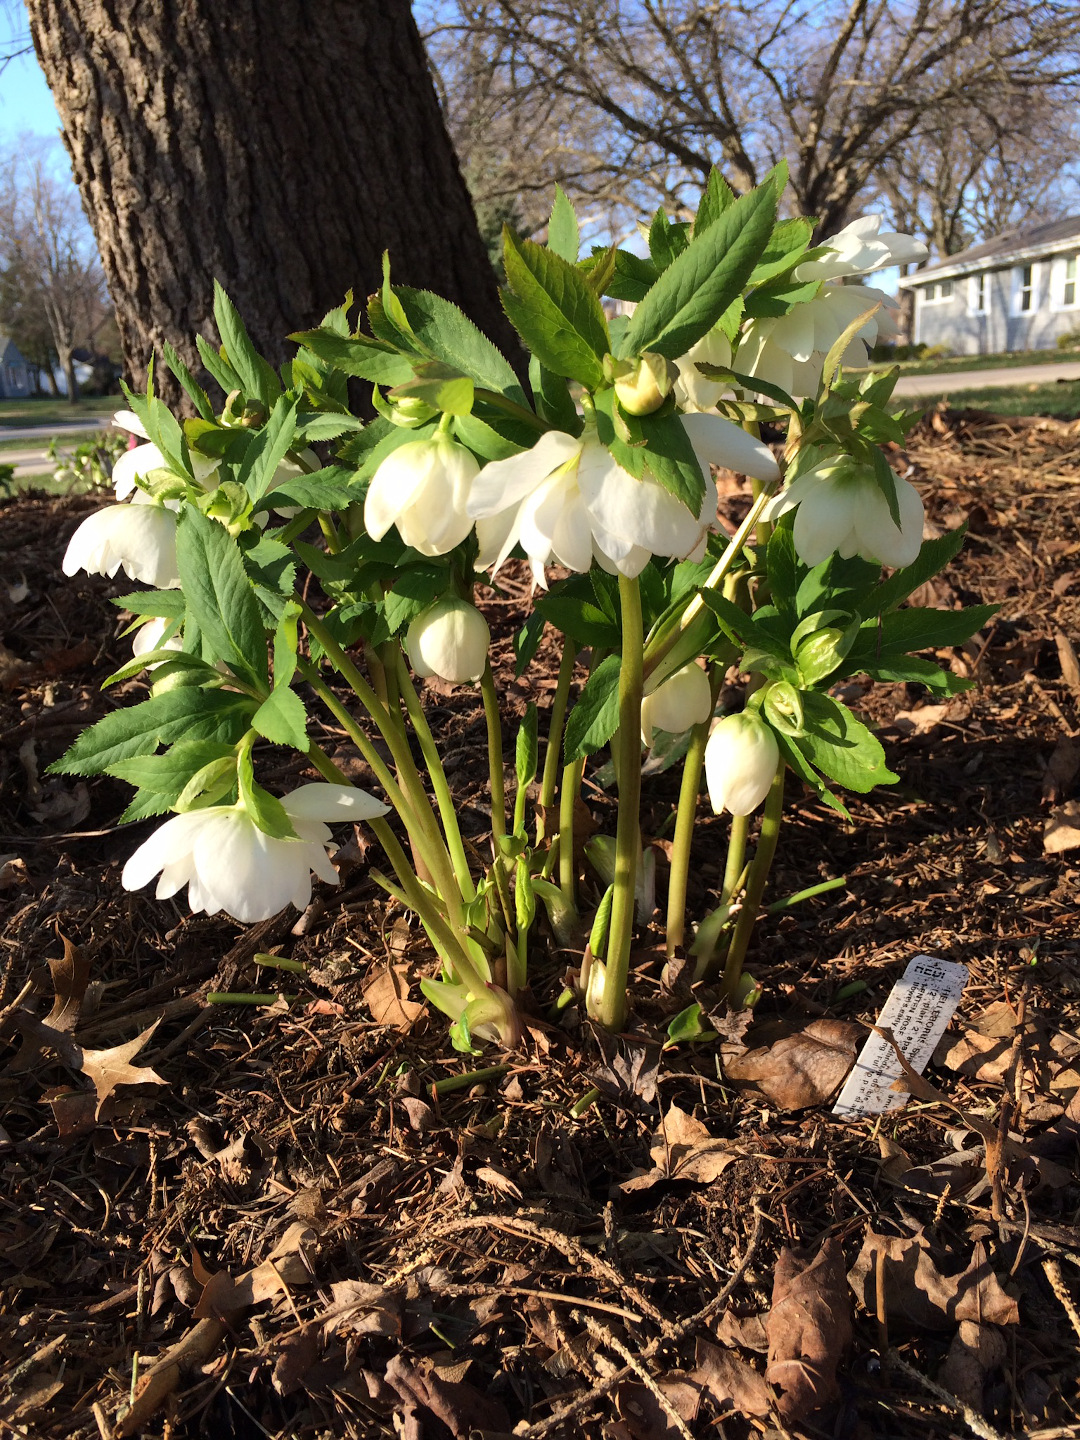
983,1051
12,871
799,1070
1061,831
975,1351
683,1149
70,977
809,1327
645,1418
916,1291
1070,666
298,1350
440,1391
363,1308
924,719
747,1331
1062,769
500,1183
387,994
107,1069
731,1383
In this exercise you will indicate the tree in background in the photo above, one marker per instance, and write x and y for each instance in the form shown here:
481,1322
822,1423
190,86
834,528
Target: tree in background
277,147
625,100
52,296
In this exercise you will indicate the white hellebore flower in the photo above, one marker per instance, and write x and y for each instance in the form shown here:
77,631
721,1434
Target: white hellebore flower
229,864
842,510
693,390
450,639
683,699
861,247
148,638
741,760
144,458
140,537
790,350
421,487
567,500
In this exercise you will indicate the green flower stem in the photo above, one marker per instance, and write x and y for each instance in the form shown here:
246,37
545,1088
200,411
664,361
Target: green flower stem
662,643
685,820
627,754
449,944
419,834
568,793
392,733
553,752
495,757
736,856
510,407
517,969
755,882
437,775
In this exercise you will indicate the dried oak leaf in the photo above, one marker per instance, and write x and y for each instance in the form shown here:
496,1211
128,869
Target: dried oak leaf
1061,831
107,1069
683,1149
983,1051
70,977
917,1291
387,995
809,1327
440,1392
730,1382
799,1070
643,1415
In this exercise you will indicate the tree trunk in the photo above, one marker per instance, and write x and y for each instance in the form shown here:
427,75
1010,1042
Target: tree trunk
277,146
67,365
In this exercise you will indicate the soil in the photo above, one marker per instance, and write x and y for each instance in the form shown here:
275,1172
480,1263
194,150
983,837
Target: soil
277,1225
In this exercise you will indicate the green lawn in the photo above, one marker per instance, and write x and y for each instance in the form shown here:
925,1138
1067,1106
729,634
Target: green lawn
1060,400
69,439
950,364
46,411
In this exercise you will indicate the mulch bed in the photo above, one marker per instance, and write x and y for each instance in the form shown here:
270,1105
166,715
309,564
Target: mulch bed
265,1221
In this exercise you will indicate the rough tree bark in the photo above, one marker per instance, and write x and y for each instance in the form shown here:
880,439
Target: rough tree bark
277,145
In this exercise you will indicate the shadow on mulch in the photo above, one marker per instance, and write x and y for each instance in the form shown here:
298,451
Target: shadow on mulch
328,1246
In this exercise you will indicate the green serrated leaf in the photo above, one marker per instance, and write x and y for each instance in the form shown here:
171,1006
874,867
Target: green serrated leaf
717,198
563,233
693,293
841,746
595,718
219,595
554,310
184,714
282,719
357,355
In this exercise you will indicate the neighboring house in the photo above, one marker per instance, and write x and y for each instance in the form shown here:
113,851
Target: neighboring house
1019,291
14,373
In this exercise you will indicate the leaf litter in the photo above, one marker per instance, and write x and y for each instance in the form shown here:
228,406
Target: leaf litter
245,1201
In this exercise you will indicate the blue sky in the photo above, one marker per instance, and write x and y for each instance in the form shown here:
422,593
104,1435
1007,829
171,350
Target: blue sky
25,102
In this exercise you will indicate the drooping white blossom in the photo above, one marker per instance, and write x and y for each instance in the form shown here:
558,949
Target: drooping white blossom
450,639
567,501
141,459
422,487
741,759
789,350
229,864
861,247
693,390
139,537
842,510
148,638
680,701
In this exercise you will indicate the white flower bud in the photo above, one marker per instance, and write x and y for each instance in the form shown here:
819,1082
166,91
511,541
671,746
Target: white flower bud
450,639
682,700
741,760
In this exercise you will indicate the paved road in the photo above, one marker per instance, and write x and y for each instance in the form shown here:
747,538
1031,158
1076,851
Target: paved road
44,433
910,385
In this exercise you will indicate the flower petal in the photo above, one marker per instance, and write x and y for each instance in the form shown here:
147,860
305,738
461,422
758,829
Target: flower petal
323,801
502,483
717,441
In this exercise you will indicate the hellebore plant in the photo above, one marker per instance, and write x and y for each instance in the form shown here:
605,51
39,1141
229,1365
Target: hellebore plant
286,576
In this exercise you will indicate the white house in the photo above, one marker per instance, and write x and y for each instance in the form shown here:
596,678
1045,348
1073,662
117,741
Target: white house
1019,291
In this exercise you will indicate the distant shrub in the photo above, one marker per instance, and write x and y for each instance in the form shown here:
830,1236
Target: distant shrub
921,351
1069,341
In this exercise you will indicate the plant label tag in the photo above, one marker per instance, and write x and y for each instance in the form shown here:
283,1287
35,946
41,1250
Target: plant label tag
918,1009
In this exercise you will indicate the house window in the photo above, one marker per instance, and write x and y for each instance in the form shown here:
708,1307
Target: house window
1026,292
939,290
979,294
1068,293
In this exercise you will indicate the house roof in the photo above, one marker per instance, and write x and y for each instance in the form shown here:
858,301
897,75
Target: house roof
9,351
1029,242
